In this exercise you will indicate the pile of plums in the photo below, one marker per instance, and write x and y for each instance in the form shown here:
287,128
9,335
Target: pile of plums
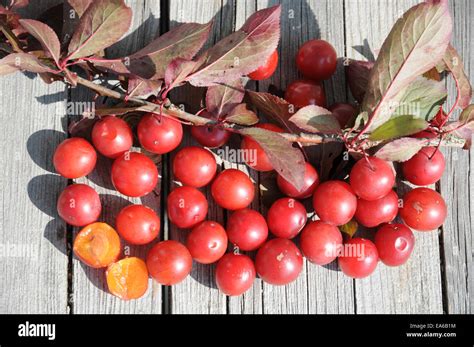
367,197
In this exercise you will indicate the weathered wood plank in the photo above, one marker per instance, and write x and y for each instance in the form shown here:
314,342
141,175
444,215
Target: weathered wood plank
456,186
33,266
251,302
198,293
318,289
89,290
416,286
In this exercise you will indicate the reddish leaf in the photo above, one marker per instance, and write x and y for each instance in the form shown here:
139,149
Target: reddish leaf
80,6
357,75
22,61
460,131
315,119
6,68
143,88
278,109
240,114
177,71
221,98
416,43
241,52
16,4
45,35
467,116
454,64
401,149
10,18
288,161
464,127
152,61
102,24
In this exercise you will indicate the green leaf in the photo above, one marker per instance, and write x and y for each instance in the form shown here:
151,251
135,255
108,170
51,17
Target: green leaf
416,43
102,24
287,160
350,228
316,119
421,99
398,127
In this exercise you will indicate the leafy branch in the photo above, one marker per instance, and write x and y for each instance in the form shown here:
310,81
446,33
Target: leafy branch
416,48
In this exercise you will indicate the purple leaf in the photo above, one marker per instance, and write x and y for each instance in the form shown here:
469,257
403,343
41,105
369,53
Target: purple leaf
22,61
152,61
357,75
177,71
241,52
316,119
287,160
221,98
102,24
241,115
45,36
16,4
278,109
142,88
416,43
400,150
80,6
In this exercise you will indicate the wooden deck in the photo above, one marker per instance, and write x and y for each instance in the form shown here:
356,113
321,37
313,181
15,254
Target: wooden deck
438,278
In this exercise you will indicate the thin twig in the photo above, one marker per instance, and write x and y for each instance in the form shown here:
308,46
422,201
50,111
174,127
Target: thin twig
170,110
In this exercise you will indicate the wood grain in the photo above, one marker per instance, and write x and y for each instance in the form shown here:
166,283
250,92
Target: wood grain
438,277
251,302
89,289
301,21
456,186
198,293
416,286
33,261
